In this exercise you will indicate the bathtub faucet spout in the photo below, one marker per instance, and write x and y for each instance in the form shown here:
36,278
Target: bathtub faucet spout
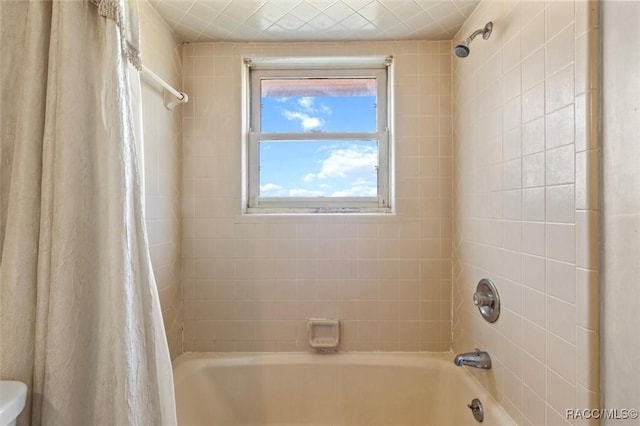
477,359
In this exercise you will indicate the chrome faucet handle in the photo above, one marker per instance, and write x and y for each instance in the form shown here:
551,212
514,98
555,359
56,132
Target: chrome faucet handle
482,299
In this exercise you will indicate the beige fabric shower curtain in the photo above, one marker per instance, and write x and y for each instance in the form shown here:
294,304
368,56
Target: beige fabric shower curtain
79,309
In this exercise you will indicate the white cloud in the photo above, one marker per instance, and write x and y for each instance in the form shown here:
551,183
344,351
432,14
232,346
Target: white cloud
271,189
306,102
306,112
357,191
301,192
312,123
307,122
354,165
352,161
359,188
325,110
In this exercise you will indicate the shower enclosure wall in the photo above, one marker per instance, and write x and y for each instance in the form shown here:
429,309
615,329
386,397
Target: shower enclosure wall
251,282
162,158
526,203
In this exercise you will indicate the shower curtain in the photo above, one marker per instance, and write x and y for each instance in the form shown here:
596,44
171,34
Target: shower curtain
79,310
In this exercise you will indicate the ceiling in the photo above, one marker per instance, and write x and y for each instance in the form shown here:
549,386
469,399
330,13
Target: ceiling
314,20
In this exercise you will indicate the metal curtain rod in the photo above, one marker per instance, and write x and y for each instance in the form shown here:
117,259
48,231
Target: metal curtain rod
181,98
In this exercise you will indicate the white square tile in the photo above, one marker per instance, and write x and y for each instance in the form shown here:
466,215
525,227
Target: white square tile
561,242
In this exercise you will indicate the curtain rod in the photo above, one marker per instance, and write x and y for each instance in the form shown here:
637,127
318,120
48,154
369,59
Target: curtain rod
170,104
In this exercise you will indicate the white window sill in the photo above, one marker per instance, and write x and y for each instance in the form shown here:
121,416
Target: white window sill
313,211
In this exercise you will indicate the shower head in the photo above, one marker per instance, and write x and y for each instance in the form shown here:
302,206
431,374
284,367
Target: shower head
461,50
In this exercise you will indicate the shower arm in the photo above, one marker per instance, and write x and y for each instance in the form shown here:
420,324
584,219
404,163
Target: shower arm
485,31
475,34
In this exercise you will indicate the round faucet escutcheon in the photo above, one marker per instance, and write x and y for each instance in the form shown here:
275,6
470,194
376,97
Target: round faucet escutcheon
487,300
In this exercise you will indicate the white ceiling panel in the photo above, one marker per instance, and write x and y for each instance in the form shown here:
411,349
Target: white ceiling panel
314,20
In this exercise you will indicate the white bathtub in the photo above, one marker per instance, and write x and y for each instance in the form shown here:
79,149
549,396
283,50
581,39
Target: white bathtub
338,389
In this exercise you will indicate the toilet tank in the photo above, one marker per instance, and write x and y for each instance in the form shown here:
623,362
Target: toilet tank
13,396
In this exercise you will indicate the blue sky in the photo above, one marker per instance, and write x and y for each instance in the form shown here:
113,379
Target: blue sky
318,168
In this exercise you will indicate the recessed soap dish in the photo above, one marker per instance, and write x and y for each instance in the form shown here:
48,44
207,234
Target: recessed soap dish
324,334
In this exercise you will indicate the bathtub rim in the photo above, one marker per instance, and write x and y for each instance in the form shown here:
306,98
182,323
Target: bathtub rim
409,359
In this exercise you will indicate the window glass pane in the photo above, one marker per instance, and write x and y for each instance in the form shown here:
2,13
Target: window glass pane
319,168
318,105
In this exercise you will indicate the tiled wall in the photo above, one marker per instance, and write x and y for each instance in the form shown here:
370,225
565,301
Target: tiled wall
163,167
621,211
526,205
251,282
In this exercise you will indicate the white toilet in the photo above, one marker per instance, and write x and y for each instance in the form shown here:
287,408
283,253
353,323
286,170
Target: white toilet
13,396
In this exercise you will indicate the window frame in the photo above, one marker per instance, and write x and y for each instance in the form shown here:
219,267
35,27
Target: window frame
285,68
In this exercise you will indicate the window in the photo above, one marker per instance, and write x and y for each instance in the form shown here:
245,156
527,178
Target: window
318,136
